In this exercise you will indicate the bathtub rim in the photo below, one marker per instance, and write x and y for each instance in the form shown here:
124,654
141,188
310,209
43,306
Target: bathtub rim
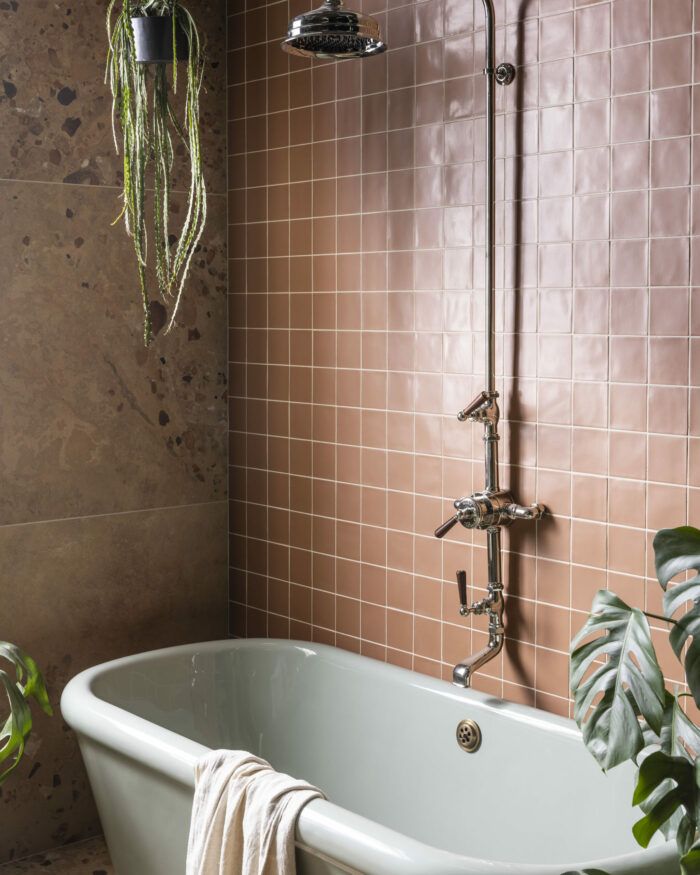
324,828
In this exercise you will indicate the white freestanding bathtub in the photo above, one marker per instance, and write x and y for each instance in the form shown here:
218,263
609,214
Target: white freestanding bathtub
403,797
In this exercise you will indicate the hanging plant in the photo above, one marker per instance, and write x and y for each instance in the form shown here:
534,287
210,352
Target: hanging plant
143,37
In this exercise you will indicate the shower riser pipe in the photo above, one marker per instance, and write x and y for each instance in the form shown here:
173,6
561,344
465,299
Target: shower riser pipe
491,437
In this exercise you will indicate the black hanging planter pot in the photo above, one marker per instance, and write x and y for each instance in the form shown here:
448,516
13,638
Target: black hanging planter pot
153,35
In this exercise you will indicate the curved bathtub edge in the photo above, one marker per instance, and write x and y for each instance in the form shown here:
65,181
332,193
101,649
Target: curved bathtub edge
349,839
335,832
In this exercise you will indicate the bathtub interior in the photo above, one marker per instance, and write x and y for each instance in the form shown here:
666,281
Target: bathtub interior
382,744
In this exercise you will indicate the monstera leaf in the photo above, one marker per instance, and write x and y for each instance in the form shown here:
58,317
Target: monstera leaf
627,686
681,796
678,551
27,684
679,737
585,872
690,862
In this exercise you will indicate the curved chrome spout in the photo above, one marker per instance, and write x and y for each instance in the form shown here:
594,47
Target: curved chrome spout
463,672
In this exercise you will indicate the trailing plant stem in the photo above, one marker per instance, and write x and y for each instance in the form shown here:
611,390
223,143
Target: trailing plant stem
145,115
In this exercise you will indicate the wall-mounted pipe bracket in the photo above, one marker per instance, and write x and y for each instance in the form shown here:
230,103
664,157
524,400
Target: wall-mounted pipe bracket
504,74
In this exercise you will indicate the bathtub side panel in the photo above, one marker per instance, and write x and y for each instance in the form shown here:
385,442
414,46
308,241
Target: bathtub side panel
146,817
144,813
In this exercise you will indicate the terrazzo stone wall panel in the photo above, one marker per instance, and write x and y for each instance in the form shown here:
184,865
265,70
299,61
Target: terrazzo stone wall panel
112,457
357,263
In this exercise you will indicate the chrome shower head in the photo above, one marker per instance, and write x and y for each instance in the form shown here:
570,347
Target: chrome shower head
332,31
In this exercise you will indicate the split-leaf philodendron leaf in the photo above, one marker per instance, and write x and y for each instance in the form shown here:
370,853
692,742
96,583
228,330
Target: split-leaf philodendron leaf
690,862
680,777
678,551
625,681
26,684
618,689
679,738
586,872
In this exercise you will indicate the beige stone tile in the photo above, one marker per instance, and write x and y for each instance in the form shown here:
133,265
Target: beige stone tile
79,592
55,110
83,858
92,422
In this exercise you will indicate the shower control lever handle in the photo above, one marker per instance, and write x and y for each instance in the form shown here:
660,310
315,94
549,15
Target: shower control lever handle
462,590
474,406
442,530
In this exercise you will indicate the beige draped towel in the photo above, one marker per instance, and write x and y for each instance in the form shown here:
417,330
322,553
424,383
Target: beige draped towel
244,816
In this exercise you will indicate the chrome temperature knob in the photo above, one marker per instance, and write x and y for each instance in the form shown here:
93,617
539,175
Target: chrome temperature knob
468,512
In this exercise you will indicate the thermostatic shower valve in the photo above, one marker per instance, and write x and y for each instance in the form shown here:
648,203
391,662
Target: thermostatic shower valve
486,510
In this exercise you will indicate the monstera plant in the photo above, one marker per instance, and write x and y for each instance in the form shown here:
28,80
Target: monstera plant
146,38
22,683
623,707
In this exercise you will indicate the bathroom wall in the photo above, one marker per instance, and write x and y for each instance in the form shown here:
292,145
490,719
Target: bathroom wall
356,310
113,457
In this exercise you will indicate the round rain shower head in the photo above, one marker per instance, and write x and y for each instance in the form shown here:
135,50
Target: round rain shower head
332,31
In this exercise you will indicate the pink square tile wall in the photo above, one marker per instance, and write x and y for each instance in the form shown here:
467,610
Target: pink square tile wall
356,309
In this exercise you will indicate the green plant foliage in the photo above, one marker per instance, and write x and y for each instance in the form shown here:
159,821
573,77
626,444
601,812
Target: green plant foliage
26,684
627,685
585,872
678,551
682,793
618,689
690,863
679,738
143,111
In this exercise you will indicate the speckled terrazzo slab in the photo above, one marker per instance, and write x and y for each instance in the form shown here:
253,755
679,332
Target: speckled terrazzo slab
83,858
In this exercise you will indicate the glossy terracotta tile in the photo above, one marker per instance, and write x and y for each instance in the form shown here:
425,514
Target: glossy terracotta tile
368,205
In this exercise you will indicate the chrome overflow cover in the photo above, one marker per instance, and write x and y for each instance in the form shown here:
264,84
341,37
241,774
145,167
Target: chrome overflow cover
468,735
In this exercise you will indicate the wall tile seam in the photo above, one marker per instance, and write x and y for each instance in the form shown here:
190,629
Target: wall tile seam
411,613
470,548
447,417
487,672
227,137
561,517
19,180
501,157
674,681
452,205
479,632
467,460
503,27
70,519
502,112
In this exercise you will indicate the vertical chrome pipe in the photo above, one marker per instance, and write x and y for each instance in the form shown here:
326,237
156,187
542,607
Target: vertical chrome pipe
493,541
491,439
490,242
491,428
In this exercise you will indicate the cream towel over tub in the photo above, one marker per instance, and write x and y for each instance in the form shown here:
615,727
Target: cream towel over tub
244,816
